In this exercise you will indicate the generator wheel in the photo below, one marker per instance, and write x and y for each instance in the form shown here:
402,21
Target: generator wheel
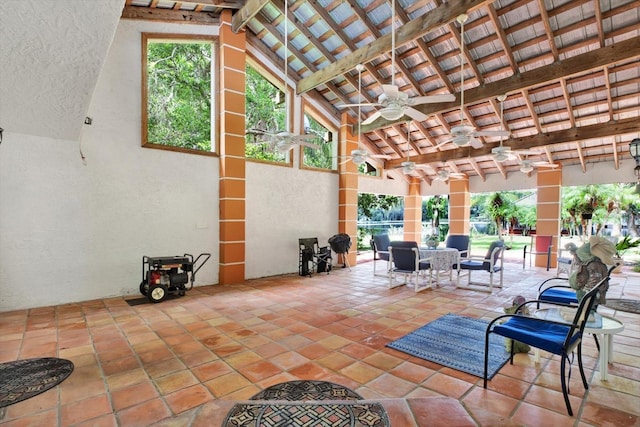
143,288
157,293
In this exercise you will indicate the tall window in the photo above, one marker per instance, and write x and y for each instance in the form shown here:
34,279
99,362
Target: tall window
323,157
177,88
265,115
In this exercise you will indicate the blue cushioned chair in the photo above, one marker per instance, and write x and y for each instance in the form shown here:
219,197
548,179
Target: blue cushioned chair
491,263
381,251
404,259
461,242
559,293
560,338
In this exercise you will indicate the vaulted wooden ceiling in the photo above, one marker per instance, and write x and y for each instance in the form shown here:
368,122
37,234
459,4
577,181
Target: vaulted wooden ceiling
570,70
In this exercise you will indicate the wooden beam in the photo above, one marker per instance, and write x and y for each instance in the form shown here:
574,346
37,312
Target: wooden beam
242,17
575,134
170,15
426,23
594,59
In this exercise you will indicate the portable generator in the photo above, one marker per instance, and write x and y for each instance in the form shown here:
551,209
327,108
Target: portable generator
162,275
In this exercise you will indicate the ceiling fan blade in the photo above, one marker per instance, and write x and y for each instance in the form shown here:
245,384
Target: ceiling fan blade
444,142
366,104
415,114
380,156
308,144
502,133
372,118
283,146
528,152
475,143
432,99
544,165
304,138
390,90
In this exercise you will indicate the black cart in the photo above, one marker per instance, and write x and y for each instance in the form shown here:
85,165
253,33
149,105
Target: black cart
161,275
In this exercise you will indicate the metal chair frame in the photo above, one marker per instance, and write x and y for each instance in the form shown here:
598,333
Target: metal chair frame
492,263
560,338
404,259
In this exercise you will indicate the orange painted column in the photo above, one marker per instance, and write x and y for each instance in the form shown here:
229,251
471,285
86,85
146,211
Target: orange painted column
232,157
348,186
459,206
548,218
413,212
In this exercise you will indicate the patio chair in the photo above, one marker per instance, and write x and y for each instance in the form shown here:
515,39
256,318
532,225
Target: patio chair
462,243
313,257
540,245
561,338
561,293
565,261
492,263
381,248
404,259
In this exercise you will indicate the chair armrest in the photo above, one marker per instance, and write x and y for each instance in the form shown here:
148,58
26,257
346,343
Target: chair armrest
538,301
478,258
565,279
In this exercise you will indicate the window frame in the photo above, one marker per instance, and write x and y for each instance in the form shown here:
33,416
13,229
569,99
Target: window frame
287,91
214,123
321,118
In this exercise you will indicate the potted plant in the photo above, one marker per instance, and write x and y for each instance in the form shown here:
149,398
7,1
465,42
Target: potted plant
621,248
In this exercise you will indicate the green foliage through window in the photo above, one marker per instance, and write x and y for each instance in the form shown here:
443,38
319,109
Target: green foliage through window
265,111
179,94
320,157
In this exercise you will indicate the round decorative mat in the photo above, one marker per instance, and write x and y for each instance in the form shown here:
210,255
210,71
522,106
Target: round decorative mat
307,403
22,379
307,390
628,305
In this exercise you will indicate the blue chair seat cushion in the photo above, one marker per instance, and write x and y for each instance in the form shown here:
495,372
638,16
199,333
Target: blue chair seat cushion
561,295
477,265
564,260
537,333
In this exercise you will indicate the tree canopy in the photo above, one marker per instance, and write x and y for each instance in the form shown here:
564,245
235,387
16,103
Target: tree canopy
179,94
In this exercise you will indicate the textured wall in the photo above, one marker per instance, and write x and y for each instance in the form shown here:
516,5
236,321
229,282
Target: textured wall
52,53
71,232
283,205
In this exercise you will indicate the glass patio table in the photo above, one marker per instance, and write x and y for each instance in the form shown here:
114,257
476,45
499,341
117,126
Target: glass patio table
603,327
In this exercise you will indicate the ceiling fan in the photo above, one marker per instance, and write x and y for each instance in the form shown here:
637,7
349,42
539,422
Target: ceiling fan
360,155
409,167
464,134
395,103
527,165
501,152
444,174
285,140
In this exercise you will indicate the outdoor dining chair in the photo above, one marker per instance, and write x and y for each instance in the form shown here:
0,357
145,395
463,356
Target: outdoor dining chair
381,251
560,338
313,257
404,259
540,245
492,263
462,243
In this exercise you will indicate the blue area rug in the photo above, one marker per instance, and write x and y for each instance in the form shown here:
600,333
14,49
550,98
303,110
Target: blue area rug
456,342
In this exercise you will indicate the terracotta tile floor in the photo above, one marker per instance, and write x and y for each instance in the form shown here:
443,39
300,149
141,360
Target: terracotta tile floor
183,361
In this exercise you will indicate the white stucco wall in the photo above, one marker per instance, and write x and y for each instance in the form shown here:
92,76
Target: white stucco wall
73,232
283,205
